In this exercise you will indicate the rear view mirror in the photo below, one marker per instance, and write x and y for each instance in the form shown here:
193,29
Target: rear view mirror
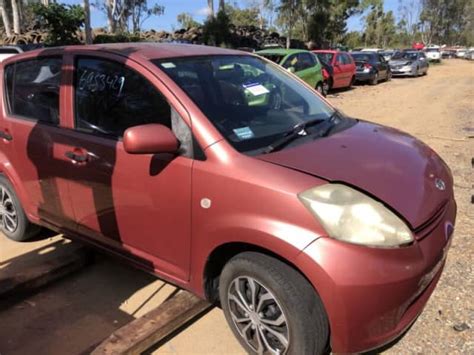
150,139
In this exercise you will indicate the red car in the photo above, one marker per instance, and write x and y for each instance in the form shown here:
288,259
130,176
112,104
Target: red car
226,175
343,65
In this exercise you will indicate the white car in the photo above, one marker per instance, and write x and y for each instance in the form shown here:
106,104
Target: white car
8,51
433,54
461,53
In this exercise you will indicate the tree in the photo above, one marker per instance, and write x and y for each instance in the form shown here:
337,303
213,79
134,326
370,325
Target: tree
87,22
16,17
210,5
243,17
62,21
216,30
121,12
5,18
186,20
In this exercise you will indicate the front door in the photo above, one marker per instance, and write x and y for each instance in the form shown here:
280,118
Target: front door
140,203
35,138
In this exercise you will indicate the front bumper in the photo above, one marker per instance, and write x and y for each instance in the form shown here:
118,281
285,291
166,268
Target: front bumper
401,71
372,295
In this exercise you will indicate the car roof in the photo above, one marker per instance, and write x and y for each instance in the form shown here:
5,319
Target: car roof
144,50
281,51
332,51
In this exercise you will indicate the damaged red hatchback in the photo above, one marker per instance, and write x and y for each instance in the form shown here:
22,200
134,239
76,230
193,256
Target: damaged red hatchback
224,174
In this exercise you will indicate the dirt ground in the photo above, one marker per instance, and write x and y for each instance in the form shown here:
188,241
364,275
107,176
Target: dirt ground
73,315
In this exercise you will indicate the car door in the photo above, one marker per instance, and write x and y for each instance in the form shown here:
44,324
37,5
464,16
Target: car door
137,203
338,71
424,61
34,138
383,66
349,69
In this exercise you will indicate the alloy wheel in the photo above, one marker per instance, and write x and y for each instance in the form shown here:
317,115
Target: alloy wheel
258,317
8,213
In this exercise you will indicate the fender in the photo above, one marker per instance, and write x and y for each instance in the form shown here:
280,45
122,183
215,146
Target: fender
7,169
278,237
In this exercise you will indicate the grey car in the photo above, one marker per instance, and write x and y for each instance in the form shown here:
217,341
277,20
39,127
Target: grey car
409,63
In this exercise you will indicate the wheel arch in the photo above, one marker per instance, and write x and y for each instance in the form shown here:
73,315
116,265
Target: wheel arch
221,255
7,171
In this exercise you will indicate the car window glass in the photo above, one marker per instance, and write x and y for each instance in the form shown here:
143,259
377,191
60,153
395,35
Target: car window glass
109,98
291,61
33,89
6,50
305,61
250,101
339,59
325,57
381,59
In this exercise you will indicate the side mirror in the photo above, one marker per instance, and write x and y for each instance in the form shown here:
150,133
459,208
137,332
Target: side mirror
291,69
150,139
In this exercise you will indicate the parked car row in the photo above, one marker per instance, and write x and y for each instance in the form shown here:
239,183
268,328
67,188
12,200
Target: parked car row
326,70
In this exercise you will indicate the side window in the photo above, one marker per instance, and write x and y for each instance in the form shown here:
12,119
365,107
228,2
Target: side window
346,59
306,61
291,61
339,59
109,98
32,89
381,59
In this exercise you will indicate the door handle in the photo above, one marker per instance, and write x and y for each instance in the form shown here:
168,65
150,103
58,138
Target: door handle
77,158
5,135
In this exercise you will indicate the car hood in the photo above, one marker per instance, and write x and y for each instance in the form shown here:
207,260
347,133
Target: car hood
392,166
401,62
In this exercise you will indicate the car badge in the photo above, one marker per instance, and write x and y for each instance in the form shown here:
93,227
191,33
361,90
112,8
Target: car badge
440,185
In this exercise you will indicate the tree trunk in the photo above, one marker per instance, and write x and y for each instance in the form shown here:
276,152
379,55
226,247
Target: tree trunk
5,19
87,22
110,7
221,5
16,17
210,4
45,2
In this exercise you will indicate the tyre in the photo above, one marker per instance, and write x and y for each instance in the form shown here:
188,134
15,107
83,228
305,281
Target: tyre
326,87
13,221
271,308
389,76
320,88
375,80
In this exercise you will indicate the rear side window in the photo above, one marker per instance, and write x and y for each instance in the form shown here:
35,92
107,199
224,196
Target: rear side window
305,61
109,98
339,59
346,59
32,89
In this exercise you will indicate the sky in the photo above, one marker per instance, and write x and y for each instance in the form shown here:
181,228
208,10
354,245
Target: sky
198,9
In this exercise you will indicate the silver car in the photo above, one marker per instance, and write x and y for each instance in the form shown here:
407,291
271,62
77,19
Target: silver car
410,63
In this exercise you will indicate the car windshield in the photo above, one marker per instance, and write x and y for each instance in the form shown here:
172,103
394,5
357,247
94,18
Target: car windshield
252,103
276,58
361,57
405,55
326,57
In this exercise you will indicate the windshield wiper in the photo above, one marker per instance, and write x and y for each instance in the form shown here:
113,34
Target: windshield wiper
298,131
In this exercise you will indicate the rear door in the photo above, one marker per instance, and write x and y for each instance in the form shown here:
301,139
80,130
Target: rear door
339,75
383,66
349,68
36,137
140,203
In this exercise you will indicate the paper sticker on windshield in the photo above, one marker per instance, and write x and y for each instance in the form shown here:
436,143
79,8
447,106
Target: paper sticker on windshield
257,89
168,65
243,133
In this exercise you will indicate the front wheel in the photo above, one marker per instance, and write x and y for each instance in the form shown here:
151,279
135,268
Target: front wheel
320,88
272,308
13,221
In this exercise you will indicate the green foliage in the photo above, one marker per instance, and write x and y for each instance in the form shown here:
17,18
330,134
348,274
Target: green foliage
243,17
186,20
62,22
216,30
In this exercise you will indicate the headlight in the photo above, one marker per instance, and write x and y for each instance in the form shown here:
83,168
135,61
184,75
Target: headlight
351,216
